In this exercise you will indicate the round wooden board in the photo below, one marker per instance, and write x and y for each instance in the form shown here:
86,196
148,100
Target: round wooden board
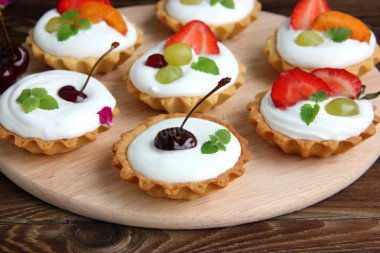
84,182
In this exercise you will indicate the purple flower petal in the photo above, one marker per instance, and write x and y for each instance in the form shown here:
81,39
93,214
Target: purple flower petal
4,3
106,116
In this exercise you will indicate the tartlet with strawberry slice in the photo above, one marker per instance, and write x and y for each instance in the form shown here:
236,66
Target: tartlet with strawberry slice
77,32
175,74
314,114
314,36
225,18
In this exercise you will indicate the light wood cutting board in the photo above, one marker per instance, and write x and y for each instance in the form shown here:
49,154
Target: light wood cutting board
84,182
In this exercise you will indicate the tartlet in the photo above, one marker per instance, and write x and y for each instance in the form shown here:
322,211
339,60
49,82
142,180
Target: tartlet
176,190
222,30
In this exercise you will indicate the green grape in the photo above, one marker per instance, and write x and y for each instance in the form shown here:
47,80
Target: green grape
342,107
53,24
168,74
178,54
309,38
191,2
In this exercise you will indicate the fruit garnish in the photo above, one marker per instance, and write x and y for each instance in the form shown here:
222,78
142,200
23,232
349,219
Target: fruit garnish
205,65
178,54
217,142
31,99
309,38
369,96
329,19
70,93
295,85
14,60
177,138
191,2
305,12
106,116
168,74
156,61
96,12
308,111
65,5
198,36
338,34
342,107
226,3
340,81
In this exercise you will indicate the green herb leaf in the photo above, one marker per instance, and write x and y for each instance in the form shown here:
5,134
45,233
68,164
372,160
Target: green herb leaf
308,113
48,103
214,139
221,146
371,95
217,142
83,23
228,4
224,135
31,99
213,2
318,96
338,34
39,93
24,95
64,32
206,65
209,148
69,15
30,104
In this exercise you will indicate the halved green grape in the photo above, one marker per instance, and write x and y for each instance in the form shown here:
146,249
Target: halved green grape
178,54
342,107
53,24
169,74
191,2
309,38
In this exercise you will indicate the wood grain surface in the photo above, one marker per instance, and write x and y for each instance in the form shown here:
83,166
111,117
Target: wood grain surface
346,221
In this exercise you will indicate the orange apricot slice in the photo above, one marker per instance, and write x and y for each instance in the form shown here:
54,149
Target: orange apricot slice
330,19
96,12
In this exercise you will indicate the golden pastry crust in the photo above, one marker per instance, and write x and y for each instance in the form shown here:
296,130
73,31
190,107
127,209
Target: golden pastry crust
221,32
305,148
84,65
39,146
185,191
359,69
183,104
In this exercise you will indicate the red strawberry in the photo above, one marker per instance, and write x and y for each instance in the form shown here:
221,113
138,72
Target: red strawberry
305,12
198,36
295,85
340,81
65,5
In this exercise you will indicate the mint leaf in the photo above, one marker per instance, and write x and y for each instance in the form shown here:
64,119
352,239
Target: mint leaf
83,24
213,2
308,113
30,104
318,96
206,65
32,99
69,15
24,95
221,146
228,3
214,139
64,32
209,148
39,93
48,103
338,34
224,135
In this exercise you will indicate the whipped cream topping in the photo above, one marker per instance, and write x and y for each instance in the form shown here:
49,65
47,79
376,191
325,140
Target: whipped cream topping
212,15
192,83
69,120
328,54
181,166
93,42
324,127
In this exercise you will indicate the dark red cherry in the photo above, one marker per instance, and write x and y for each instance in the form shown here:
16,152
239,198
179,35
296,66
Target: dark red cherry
19,61
7,78
175,138
156,61
69,93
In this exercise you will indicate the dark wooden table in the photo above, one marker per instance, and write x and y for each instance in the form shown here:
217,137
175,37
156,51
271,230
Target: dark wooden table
347,221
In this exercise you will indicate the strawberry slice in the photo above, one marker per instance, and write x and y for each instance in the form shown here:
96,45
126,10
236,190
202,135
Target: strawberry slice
198,36
340,81
65,5
305,12
295,85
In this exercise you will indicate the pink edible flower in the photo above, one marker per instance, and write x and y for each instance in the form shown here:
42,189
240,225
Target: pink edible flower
4,3
105,116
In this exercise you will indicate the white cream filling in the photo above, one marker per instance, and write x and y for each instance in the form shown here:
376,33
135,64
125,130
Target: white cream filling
212,15
69,120
93,42
328,54
324,127
182,165
193,82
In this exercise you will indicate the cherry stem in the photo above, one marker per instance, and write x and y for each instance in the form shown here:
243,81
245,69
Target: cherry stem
220,84
113,46
7,36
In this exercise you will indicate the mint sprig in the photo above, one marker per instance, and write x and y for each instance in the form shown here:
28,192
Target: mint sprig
206,65
217,142
226,3
31,99
309,112
70,26
338,34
